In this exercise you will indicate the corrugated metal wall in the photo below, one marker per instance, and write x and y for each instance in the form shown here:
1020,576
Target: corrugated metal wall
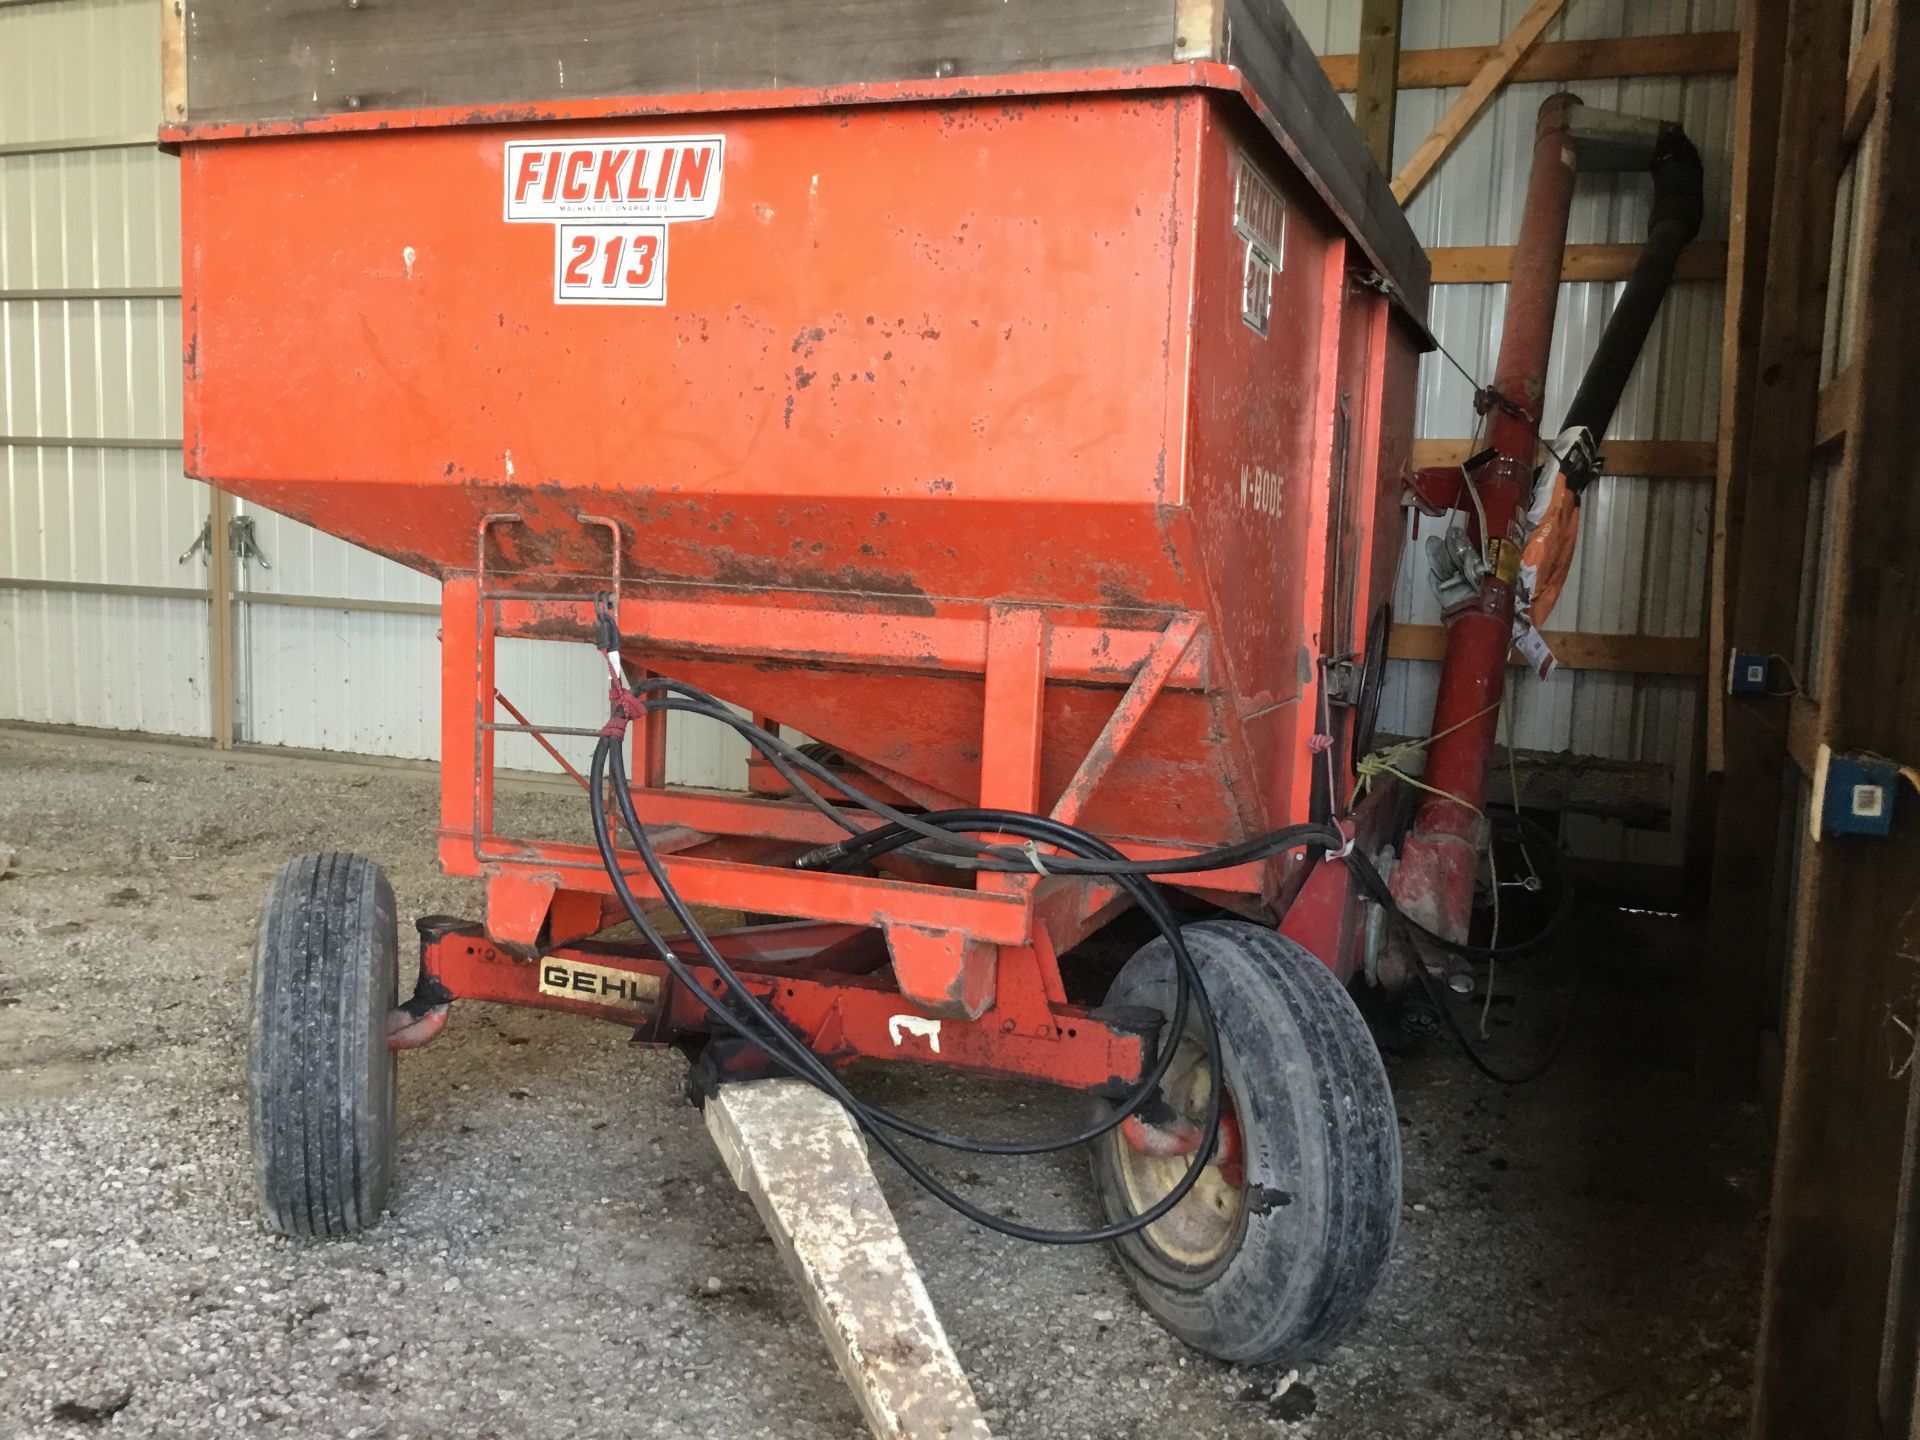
368,680
362,680
94,495
90,380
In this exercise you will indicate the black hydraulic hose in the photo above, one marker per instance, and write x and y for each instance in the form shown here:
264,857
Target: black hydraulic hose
902,827
1411,933
889,838
771,1034
1085,853
852,853
796,1057
1678,206
1129,1105
1377,889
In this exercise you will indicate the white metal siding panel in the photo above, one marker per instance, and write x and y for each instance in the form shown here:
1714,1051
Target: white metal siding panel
368,682
79,68
1331,27
303,561
99,515
112,661
91,368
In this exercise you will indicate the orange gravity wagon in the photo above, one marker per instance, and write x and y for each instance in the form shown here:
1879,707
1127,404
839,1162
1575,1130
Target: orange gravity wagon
1013,400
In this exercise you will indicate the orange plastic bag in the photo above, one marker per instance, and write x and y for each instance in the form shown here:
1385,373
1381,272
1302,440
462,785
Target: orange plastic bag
1548,554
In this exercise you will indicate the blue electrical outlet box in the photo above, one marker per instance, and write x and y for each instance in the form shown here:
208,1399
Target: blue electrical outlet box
1749,674
1852,794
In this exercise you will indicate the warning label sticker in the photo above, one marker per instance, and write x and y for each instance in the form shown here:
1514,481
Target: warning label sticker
611,203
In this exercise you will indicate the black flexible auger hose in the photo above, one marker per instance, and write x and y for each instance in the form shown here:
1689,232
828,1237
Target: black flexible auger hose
1679,204
901,827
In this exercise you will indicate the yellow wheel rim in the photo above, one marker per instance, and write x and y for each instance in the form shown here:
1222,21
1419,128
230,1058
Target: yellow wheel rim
1200,1230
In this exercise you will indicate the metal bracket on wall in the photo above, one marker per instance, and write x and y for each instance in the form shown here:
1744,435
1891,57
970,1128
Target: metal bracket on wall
245,543
202,544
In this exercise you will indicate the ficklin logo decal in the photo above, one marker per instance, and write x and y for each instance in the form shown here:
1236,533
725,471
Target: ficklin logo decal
610,202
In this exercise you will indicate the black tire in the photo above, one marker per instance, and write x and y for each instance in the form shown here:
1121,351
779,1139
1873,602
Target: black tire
1300,1254
320,1079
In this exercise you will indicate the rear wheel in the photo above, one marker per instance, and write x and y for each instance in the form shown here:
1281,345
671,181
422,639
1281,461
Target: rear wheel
1278,1248
320,1078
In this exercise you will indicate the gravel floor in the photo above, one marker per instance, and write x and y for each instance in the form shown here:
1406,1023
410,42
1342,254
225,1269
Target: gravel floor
565,1256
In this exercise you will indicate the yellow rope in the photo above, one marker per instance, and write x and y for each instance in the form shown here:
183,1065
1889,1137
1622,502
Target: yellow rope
1387,762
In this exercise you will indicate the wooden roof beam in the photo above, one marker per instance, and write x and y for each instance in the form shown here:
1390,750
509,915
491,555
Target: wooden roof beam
1483,87
1712,52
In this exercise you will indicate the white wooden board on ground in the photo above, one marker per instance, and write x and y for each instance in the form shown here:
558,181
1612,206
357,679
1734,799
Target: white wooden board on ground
802,1160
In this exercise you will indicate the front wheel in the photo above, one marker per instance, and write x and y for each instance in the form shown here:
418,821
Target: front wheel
320,1078
1278,1248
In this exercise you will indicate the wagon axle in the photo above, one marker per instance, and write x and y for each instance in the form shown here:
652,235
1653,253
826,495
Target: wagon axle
818,978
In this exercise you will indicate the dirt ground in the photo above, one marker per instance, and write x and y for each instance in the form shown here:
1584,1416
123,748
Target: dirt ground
565,1256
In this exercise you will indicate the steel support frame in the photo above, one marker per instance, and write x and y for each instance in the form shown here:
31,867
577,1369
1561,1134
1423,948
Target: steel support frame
843,1015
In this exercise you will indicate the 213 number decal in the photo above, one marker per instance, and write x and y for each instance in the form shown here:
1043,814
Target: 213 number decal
611,264
642,248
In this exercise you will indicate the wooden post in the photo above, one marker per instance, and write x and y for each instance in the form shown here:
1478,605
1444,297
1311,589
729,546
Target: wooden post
1900,1344
1756,113
1377,90
1767,512
173,61
221,657
1844,1093
1700,52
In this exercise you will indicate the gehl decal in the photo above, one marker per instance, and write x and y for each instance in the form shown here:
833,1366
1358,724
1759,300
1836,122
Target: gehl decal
601,984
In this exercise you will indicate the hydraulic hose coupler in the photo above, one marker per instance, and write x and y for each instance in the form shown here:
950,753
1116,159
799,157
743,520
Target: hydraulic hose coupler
825,857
